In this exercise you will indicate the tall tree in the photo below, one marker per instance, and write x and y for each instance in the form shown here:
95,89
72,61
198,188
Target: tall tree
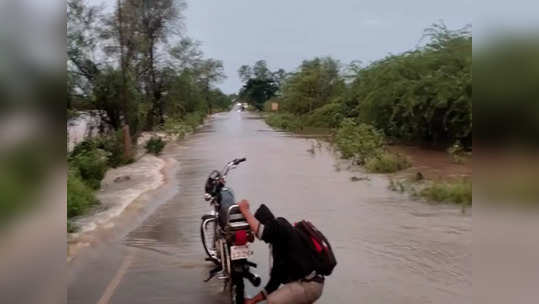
261,70
245,72
261,84
210,71
158,20
82,40
315,84
186,54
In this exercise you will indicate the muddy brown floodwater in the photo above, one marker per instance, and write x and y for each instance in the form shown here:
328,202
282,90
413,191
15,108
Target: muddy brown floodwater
390,249
435,164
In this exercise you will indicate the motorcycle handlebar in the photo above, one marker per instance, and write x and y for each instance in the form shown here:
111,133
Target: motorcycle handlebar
239,160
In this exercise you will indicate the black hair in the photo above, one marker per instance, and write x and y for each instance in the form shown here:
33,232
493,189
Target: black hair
264,215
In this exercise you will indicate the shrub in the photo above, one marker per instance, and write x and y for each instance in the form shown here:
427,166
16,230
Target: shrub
155,145
84,147
70,226
422,95
194,119
457,153
80,197
90,162
285,121
114,146
387,162
327,116
459,191
177,127
185,125
359,141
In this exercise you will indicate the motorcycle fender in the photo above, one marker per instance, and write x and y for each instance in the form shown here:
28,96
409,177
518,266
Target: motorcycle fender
207,216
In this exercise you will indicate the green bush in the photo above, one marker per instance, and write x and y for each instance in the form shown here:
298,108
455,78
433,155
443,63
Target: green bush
155,145
194,119
285,121
185,125
84,147
360,142
177,127
457,153
114,146
327,116
80,197
422,95
90,162
459,191
315,83
387,162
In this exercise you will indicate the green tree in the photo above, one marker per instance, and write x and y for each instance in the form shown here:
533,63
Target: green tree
316,83
423,94
245,72
82,41
261,84
258,91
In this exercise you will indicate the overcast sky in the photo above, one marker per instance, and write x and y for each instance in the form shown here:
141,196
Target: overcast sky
285,32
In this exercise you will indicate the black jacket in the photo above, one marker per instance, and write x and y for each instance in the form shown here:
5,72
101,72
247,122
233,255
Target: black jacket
292,259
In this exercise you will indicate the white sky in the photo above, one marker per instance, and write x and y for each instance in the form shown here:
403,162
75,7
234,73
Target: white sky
285,32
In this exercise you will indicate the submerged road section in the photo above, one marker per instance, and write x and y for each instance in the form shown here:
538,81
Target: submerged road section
389,249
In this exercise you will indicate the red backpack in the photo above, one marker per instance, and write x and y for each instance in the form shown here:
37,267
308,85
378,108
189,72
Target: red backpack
323,254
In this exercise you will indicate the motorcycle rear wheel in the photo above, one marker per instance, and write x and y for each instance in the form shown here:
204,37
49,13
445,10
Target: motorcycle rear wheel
237,291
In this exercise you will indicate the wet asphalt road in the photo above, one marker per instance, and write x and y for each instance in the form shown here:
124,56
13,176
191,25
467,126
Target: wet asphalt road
390,249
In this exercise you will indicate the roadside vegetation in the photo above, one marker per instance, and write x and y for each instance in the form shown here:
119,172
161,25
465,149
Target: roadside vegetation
457,191
135,64
450,191
422,96
155,145
87,164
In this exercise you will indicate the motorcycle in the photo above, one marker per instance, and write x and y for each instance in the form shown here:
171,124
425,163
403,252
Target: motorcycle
226,235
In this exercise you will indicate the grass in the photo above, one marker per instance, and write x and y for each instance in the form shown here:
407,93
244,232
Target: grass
387,162
458,191
80,196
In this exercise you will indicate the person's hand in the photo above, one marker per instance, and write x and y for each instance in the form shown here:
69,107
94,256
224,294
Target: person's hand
250,301
244,205
258,298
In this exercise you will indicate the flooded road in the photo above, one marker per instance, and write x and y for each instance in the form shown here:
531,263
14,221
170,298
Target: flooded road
389,248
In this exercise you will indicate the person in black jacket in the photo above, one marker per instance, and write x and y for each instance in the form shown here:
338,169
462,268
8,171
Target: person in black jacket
293,263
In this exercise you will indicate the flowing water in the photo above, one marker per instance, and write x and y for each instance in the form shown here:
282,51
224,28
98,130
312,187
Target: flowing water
390,249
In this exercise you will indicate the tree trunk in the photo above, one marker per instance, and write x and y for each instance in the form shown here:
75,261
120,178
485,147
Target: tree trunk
123,66
127,142
208,96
